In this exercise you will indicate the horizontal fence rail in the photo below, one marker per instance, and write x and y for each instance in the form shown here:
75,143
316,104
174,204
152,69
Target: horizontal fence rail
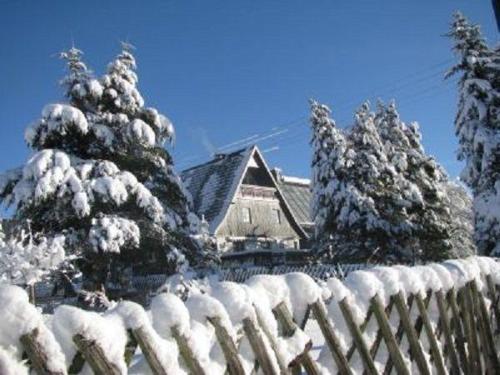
439,318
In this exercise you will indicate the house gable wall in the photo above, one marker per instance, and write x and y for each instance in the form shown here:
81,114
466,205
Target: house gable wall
263,221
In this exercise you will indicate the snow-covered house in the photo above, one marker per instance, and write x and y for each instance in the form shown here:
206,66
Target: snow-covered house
253,213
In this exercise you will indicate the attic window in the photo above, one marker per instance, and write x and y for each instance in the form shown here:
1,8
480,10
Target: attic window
252,163
247,215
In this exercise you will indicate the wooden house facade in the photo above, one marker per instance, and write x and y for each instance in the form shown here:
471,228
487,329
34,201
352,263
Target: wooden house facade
253,213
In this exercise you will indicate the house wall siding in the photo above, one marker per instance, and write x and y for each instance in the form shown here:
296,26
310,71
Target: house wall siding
263,220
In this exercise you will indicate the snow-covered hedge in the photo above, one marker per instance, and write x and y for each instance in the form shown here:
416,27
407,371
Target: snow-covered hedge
180,329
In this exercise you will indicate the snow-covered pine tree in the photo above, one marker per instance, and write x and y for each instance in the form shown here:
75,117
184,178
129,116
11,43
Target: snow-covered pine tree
354,189
101,176
422,182
462,221
375,219
477,126
328,163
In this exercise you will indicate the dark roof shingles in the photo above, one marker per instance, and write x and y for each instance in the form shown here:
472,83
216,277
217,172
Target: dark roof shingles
225,170
298,197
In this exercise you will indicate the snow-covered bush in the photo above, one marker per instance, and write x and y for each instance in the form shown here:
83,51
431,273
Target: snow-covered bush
25,261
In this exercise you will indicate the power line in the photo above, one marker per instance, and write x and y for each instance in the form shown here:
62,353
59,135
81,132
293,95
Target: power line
412,98
294,127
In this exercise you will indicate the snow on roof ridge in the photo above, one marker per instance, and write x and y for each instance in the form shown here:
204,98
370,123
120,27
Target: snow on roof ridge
296,180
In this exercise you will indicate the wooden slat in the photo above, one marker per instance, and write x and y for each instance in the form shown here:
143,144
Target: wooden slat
390,341
419,324
362,327
186,352
489,350
77,363
378,338
399,336
331,339
433,342
285,318
37,354
95,356
358,338
258,347
226,342
466,304
445,322
149,351
459,334
272,341
411,334
494,301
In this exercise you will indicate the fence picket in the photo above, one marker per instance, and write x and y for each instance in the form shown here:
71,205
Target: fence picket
362,327
149,352
358,338
399,336
95,356
258,347
228,347
487,339
36,353
459,331
494,301
272,341
76,364
390,341
411,334
284,316
419,324
445,322
378,337
186,352
436,353
331,339
465,302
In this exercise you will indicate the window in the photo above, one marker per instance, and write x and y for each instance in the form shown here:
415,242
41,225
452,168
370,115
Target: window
277,216
247,215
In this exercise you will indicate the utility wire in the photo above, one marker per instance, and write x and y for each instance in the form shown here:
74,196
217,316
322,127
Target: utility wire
295,126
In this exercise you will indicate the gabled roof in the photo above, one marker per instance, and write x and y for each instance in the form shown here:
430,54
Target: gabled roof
213,186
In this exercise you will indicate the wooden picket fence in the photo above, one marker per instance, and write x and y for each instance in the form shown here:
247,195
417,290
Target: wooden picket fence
463,340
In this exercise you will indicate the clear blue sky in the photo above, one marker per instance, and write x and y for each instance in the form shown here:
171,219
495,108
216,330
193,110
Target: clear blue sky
227,70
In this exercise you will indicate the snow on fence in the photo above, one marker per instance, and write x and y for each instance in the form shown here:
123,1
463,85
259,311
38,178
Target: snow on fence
440,318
